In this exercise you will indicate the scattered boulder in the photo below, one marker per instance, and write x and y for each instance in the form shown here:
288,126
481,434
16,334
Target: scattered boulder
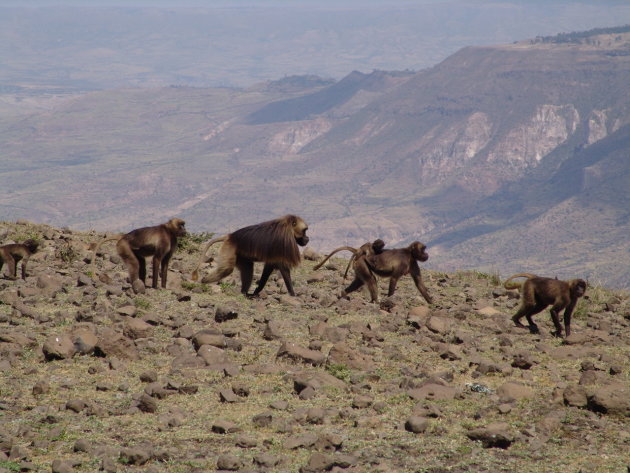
137,328
229,462
310,254
58,347
611,399
434,392
316,380
297,353
223,314
575,396
496,435
342,354
416,424
135,456
513,391
112,344
441,325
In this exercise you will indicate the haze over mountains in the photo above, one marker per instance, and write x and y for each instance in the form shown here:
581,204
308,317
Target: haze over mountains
507,158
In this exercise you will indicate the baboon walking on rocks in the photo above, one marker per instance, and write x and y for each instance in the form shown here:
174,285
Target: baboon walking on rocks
274,243
13,253
539,292
159,241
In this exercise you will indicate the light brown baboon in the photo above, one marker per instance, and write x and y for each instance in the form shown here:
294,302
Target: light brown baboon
159,241
362,272
13,253
274,242
539,292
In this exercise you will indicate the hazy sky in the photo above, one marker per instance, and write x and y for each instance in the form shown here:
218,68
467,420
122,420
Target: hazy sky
111,43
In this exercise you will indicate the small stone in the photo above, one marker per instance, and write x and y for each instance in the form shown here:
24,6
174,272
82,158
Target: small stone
149,376
147,403
224,427
227,395
41,387
138,287
416,425
83,445
229,462
223,314
496,435
61,466
262,420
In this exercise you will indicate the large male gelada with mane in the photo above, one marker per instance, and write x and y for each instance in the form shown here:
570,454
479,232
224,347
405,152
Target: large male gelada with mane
274,242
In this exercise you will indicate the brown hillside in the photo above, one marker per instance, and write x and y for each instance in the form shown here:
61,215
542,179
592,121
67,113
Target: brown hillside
198,378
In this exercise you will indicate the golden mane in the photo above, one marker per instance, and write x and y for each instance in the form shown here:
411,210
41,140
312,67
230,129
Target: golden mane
271,241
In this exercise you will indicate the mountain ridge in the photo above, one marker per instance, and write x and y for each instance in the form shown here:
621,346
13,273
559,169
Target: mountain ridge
446,155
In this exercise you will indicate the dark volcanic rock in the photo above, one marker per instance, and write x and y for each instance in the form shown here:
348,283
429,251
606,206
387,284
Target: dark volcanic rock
497,435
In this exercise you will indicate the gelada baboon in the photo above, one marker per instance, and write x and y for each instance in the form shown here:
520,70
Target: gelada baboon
159,241
392,264
398,262
358,261
539,292
367,248
13,253
274,242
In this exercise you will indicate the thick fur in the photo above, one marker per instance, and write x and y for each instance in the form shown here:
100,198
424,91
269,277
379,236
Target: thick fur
372,259
274,242
367,249
159,241
13,253
539,292
269,242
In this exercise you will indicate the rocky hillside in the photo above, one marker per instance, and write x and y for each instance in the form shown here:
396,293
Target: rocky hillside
504,158
198,378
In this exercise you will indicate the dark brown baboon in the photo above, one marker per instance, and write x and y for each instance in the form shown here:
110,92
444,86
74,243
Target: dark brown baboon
539,292
375,247
159,241
13,253
396,263
274,242
362,273
371,259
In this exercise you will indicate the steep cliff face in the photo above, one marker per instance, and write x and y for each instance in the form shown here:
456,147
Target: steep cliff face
525,145
494,156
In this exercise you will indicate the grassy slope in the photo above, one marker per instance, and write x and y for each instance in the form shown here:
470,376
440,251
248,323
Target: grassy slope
551,437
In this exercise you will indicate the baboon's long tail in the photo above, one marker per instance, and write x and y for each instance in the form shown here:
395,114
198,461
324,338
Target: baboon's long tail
341,248
98,247
195,273
516,285
352,258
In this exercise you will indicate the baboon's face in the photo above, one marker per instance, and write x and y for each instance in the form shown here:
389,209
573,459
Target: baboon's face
418,251
178,227
580,288
299,227
32,245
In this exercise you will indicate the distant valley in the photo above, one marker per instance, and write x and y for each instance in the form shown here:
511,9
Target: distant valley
504,159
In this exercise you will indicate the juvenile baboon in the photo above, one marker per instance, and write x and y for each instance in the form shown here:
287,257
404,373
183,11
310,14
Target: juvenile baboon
274,242
367,248
159,241
362,272
539,292
13,253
